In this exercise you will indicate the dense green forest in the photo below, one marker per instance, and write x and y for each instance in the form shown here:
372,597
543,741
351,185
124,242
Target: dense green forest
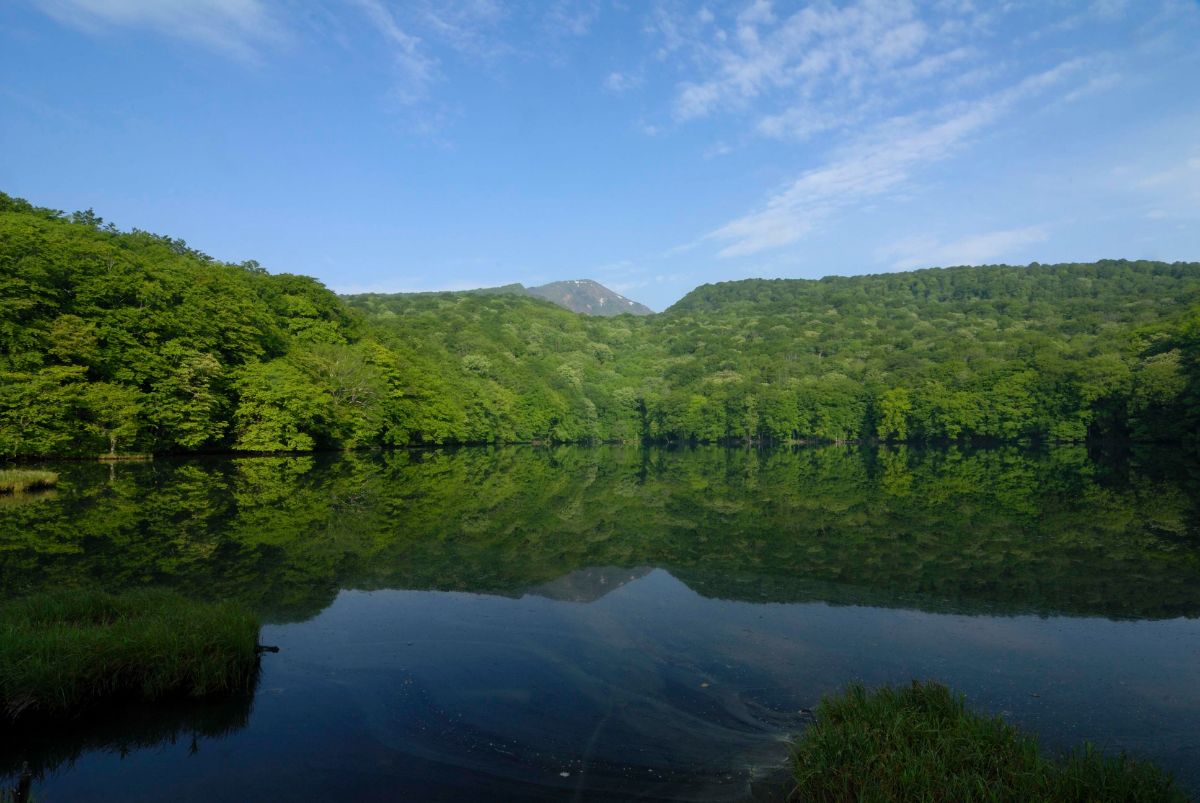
116,341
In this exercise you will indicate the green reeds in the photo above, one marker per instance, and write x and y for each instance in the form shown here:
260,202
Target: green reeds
920,743
62,651
15,481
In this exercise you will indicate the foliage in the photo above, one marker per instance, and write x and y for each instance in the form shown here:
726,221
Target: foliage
127,340
921,743
61,651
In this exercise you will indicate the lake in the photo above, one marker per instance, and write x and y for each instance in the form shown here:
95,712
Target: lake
619,622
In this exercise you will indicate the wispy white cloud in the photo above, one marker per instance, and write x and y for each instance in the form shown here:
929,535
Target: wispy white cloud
429,38
466,25
235,27
877,163
717,149
1183,174
976,249
866,95
1166,185
819,68
570,18
619,82
416,70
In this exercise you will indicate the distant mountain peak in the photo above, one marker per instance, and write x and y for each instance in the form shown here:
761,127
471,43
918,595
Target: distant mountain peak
588,297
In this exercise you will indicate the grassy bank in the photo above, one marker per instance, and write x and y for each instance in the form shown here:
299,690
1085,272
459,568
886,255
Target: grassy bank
15,481
920,743
62,651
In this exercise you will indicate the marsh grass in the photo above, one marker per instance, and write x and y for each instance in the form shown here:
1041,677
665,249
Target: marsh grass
15,481
64,651
920,743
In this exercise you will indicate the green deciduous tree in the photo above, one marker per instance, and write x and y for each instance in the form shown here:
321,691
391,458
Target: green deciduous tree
113,413
279,409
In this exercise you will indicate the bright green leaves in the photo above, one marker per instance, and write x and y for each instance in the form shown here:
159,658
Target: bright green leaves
40,411
1159,383
187,404
73,341
280,408
355,385
113,413
305,323
894,407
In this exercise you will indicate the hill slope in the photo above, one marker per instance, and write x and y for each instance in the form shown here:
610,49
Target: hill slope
1044,351
113,341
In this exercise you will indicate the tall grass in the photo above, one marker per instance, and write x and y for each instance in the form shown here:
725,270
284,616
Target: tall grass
61,651
920,743
15,480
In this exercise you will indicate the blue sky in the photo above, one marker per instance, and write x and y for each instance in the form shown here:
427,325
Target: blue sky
391,145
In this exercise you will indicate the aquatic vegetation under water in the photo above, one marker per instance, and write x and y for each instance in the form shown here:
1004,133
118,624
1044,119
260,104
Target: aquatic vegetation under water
62,651
921,743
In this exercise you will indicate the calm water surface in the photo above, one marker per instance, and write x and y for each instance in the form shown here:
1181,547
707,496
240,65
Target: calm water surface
617,623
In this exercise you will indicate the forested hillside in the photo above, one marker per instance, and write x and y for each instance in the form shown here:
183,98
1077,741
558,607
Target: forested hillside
117,341
1044,351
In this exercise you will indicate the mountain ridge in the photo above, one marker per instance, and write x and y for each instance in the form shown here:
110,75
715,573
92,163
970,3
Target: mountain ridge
584,296
588,297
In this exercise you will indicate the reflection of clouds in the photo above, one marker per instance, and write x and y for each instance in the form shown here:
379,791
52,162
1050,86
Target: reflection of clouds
650,688
652,678
1008,634
542,687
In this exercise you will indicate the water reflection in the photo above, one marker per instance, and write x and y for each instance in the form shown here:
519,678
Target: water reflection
32,753
612,622
1001,530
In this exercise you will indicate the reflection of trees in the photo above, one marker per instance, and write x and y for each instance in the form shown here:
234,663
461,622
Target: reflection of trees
1001,529
122,729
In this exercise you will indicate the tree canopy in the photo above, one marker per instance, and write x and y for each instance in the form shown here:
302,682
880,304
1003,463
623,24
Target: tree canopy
116,341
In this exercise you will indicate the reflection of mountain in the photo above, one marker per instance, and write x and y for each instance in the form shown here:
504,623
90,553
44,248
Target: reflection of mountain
1002,530
588,585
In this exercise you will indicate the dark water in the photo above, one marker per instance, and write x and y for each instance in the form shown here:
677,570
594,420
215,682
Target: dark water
621,623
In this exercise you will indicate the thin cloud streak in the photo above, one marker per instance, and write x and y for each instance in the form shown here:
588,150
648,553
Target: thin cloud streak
976,249
234,27
417,71
872,167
